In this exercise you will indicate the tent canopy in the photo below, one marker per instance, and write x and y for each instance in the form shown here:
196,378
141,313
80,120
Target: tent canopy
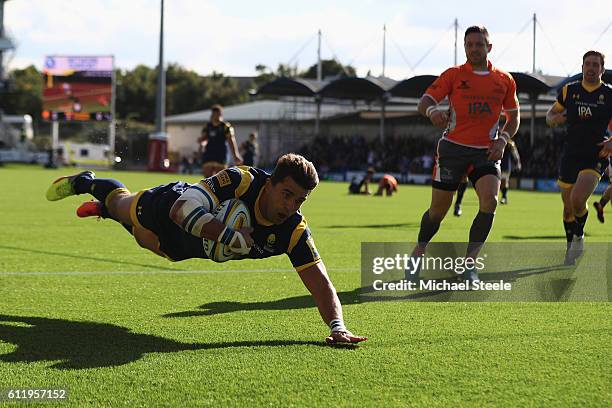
353,88
285,86
527,83
412,87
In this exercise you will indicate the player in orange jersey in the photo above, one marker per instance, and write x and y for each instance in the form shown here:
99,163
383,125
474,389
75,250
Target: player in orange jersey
472,142
388,184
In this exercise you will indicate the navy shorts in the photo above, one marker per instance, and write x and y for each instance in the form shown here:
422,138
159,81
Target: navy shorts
572,163
151,210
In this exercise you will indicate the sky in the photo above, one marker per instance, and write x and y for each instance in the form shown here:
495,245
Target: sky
233,36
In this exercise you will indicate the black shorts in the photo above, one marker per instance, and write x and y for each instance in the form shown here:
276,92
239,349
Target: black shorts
572,163
219,159
453,162
151,210
506,163
354,188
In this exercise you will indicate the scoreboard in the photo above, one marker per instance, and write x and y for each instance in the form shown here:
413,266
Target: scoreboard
78,88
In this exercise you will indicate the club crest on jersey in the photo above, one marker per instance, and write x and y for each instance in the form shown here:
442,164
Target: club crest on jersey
463,85
270,242
601,100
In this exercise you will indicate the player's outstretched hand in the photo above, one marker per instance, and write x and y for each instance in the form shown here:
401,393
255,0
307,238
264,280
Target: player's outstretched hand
343,337
606,147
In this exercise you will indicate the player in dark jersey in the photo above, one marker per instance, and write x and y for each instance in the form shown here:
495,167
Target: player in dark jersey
214,136
362,186
586,108
511,153
172,220
250,150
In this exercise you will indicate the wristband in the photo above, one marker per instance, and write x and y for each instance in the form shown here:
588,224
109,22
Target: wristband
337,325
430,110
506,136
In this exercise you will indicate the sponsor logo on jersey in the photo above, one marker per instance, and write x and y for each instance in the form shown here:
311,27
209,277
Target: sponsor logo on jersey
584,112
223,179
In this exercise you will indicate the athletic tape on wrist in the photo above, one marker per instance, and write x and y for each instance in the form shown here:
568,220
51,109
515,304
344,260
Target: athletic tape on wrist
505,135
196,228
337,325
430,110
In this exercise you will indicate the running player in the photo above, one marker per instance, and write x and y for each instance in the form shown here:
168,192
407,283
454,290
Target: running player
586,107
472,142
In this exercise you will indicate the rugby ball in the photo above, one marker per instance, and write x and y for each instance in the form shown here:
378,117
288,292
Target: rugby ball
234,214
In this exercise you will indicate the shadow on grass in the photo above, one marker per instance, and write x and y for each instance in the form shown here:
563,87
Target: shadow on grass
78,345
398,225
91,258
297,302
554,290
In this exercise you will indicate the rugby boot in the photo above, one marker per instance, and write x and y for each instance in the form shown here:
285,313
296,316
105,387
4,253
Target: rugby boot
64,186
90,209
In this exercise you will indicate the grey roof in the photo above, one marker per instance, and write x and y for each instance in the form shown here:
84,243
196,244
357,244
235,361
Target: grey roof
268,110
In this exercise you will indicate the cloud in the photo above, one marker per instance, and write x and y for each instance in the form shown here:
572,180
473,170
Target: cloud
233,36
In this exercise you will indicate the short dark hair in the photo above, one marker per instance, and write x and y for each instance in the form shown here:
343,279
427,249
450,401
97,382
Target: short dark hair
477,30
298,168
592,53
216,107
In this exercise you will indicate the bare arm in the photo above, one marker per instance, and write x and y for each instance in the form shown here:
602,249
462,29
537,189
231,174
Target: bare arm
191,212
317,282
428,107
233,147
497,146
202,140
555,115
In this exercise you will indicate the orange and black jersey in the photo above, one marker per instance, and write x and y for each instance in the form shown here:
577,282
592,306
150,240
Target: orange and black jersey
476,101
589,111
292,237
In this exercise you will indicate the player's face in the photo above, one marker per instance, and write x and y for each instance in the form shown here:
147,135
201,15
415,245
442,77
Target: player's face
476,48
283,200
592,70
215,115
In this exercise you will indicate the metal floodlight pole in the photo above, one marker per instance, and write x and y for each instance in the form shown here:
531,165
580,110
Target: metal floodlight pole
384,49
319,67
533,67
1,37
160,106
112,126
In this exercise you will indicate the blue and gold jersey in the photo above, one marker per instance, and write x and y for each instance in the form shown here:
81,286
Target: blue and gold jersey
216,149
588,110
292,237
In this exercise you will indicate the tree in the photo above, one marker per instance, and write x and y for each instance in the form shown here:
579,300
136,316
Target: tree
26,95
329,68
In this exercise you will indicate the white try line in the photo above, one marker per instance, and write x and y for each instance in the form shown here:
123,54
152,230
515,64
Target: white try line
162,272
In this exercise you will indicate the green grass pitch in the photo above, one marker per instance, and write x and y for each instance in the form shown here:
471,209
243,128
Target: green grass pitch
83,307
